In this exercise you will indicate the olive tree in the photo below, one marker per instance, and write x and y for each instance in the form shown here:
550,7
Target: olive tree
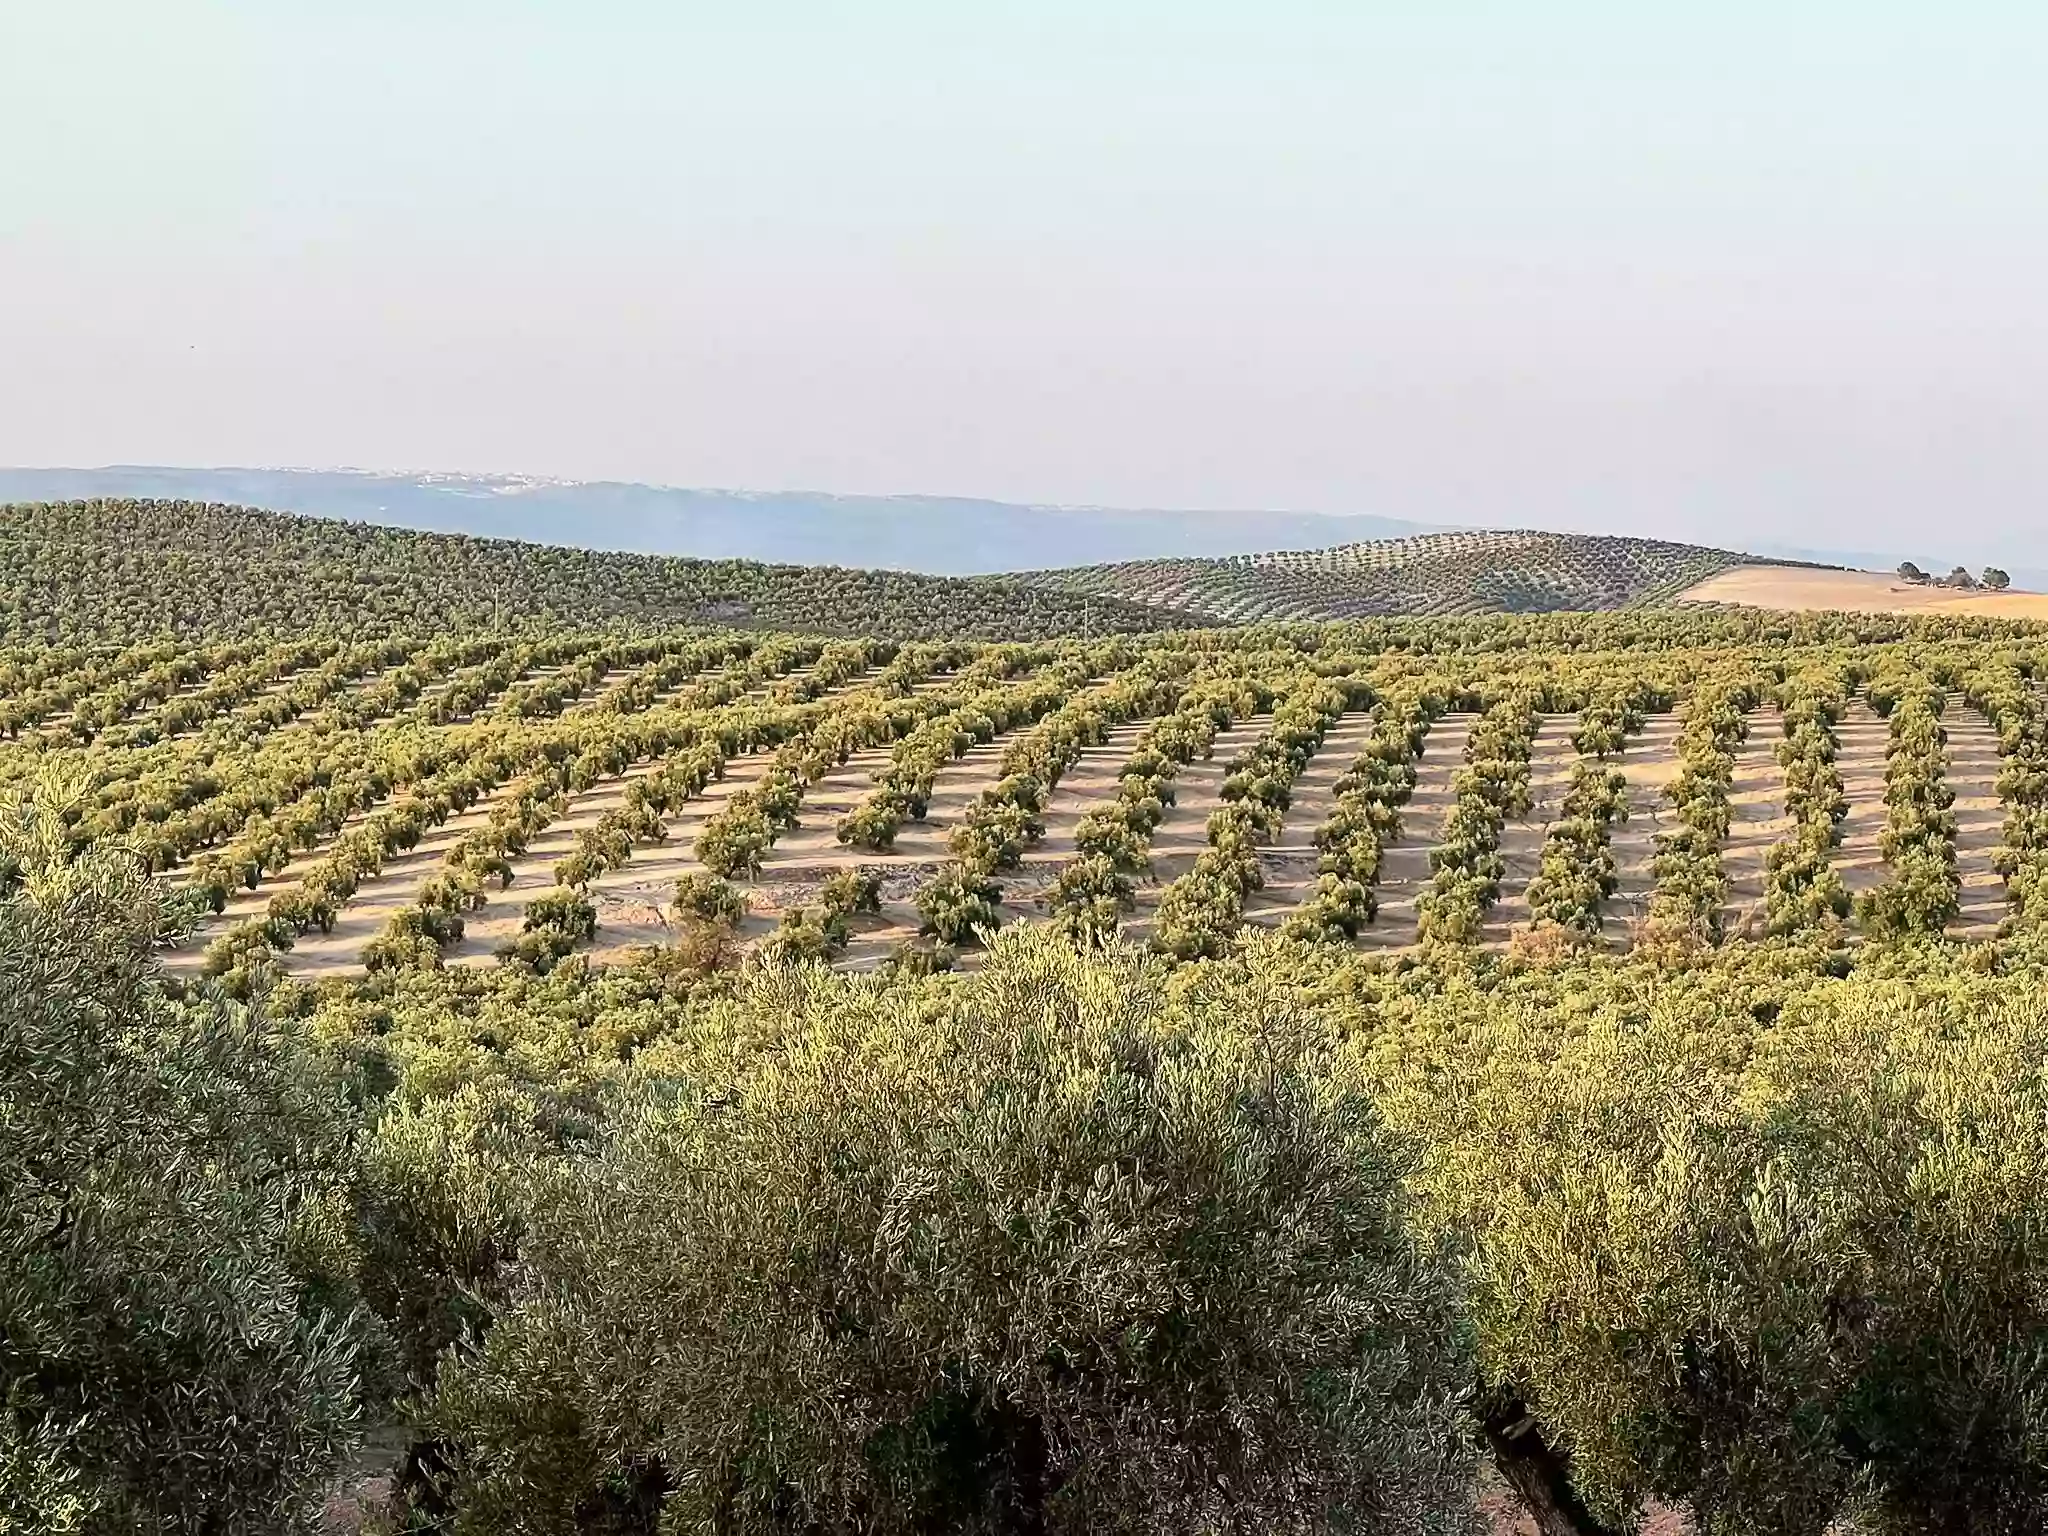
1784,1276
179,1345
1052,1251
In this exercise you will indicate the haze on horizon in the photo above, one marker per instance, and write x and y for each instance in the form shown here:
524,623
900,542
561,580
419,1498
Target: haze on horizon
1759,274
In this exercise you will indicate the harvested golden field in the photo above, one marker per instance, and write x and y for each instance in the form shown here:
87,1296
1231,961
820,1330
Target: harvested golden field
1797,588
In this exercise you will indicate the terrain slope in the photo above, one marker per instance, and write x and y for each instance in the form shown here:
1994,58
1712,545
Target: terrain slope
117,571
1472,572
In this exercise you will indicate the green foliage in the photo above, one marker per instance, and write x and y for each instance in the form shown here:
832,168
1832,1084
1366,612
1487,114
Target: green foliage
556,922
1090,897
102,570
1366,814
707,897
1692,888
1493,786
1743,1220
179,1346
1576,871
1804,891
1782,1275
851,892
1200,912
959,907
986,698
1918,842
1062,1255
1112,841
807,934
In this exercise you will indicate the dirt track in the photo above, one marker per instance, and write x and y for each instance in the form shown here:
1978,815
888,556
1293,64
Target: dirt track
1757,821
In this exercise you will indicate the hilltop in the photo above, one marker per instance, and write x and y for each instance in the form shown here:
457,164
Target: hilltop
114,571
1509,571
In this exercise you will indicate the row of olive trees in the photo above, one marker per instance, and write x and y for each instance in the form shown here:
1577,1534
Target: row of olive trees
1068,1256
1079,1242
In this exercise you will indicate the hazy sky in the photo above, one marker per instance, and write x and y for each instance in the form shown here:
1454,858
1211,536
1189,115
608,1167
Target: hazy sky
1739,270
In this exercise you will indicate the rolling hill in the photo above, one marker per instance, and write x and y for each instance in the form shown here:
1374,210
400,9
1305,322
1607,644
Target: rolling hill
116,571
1523,571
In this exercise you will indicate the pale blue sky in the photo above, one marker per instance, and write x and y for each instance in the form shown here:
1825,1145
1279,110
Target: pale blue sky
1740,271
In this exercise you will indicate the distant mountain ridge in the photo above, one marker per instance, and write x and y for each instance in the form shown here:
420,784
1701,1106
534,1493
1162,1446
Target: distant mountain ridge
936,535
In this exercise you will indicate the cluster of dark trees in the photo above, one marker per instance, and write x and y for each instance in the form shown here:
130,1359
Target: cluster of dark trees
1992,579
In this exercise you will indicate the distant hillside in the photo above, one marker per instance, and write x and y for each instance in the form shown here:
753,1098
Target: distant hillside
938,535
1440,573
125,570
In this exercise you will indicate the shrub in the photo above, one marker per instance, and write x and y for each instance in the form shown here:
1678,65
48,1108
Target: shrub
707,897
178,1351
958,906
1064,1256
1786,1277
850,891
807,934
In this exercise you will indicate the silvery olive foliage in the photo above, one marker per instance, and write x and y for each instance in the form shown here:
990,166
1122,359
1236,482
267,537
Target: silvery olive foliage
1067,1254
178,1347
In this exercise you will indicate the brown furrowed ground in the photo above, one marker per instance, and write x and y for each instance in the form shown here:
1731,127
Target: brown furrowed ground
363,916
1404,865
921,851
1090,781
340,951
632,900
